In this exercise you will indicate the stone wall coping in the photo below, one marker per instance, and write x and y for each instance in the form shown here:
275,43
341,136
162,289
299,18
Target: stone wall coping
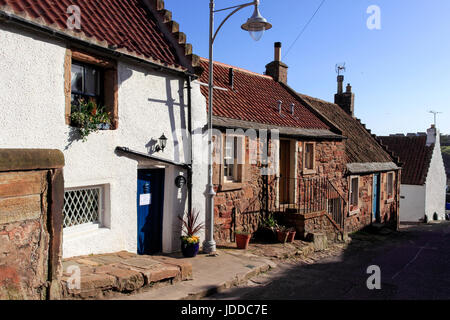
30,159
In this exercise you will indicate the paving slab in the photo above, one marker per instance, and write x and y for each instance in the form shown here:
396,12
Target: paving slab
211,274
106,275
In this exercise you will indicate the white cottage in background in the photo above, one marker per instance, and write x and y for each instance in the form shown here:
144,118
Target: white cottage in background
124,191
423,180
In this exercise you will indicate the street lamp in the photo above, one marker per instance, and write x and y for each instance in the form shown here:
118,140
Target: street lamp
255,25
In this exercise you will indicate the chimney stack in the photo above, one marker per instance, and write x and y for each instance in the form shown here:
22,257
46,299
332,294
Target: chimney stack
277,69
346,100
340,81
432,135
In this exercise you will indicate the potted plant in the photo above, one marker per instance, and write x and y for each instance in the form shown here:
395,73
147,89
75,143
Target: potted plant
191,226
282,234
88,117
243,239
291,235
267,229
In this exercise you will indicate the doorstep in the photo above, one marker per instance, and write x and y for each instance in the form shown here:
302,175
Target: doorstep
107,275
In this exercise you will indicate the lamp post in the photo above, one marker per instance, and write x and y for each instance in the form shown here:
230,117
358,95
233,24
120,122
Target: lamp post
255,25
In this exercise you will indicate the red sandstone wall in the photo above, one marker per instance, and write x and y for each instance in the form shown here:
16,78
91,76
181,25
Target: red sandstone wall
30,226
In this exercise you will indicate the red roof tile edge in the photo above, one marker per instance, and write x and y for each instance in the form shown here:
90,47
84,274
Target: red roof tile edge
385,148
165,16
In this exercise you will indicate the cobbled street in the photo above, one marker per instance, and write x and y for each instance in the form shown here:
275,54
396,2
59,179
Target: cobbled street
414,264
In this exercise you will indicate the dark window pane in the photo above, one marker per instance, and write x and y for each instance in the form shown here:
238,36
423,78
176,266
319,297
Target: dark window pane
92,82
77,78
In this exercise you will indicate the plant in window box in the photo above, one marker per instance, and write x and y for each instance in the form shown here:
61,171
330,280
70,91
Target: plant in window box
88,117
191,226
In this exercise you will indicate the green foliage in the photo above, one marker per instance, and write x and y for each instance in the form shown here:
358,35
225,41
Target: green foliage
446,150
445,140
191,223
88,117
269,222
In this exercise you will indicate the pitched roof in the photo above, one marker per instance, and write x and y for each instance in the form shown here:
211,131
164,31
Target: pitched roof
413,153
128,26
254,97
361,145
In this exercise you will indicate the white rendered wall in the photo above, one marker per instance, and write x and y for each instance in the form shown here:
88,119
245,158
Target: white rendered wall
32,116
435,184
412,203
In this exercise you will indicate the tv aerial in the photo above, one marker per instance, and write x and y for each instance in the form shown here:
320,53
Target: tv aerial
435,113
340,68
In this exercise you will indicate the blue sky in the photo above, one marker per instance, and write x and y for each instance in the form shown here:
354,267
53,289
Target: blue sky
398,73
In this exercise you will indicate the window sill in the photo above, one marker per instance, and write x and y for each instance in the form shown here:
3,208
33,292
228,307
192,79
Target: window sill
309,171
229,186
100,128
353,212
83,230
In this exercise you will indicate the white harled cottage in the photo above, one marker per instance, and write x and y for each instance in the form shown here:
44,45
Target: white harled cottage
126,183
423,180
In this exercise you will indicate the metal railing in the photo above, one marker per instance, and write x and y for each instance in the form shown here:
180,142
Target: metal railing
309,195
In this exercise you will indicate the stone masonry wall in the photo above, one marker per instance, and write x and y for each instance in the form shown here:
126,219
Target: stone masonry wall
30,229
241,208
238,206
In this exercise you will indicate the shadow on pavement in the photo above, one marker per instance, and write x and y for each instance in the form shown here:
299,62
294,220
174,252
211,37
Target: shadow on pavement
414,264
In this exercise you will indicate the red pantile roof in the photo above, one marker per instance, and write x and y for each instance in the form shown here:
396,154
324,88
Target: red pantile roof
128,25
414,154
254,98
361,145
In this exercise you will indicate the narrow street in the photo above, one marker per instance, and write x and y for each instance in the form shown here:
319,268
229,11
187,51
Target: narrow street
414,264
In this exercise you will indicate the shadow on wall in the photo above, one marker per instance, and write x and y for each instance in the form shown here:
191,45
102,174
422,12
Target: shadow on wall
345,276
173,108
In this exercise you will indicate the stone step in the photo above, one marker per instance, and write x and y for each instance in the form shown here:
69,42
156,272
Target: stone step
100,276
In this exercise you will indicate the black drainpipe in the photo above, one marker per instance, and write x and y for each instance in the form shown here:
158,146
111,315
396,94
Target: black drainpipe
189,171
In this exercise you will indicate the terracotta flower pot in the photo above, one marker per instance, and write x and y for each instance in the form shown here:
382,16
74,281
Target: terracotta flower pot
242,240
291,236
282,236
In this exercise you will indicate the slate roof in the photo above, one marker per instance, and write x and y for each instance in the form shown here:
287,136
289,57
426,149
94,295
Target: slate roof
254,97
361,145
128,26
414,154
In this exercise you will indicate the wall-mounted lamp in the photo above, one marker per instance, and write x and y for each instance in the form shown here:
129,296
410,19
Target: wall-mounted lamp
162,143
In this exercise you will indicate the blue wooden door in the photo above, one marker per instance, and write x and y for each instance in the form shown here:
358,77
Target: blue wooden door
376,196
150,199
